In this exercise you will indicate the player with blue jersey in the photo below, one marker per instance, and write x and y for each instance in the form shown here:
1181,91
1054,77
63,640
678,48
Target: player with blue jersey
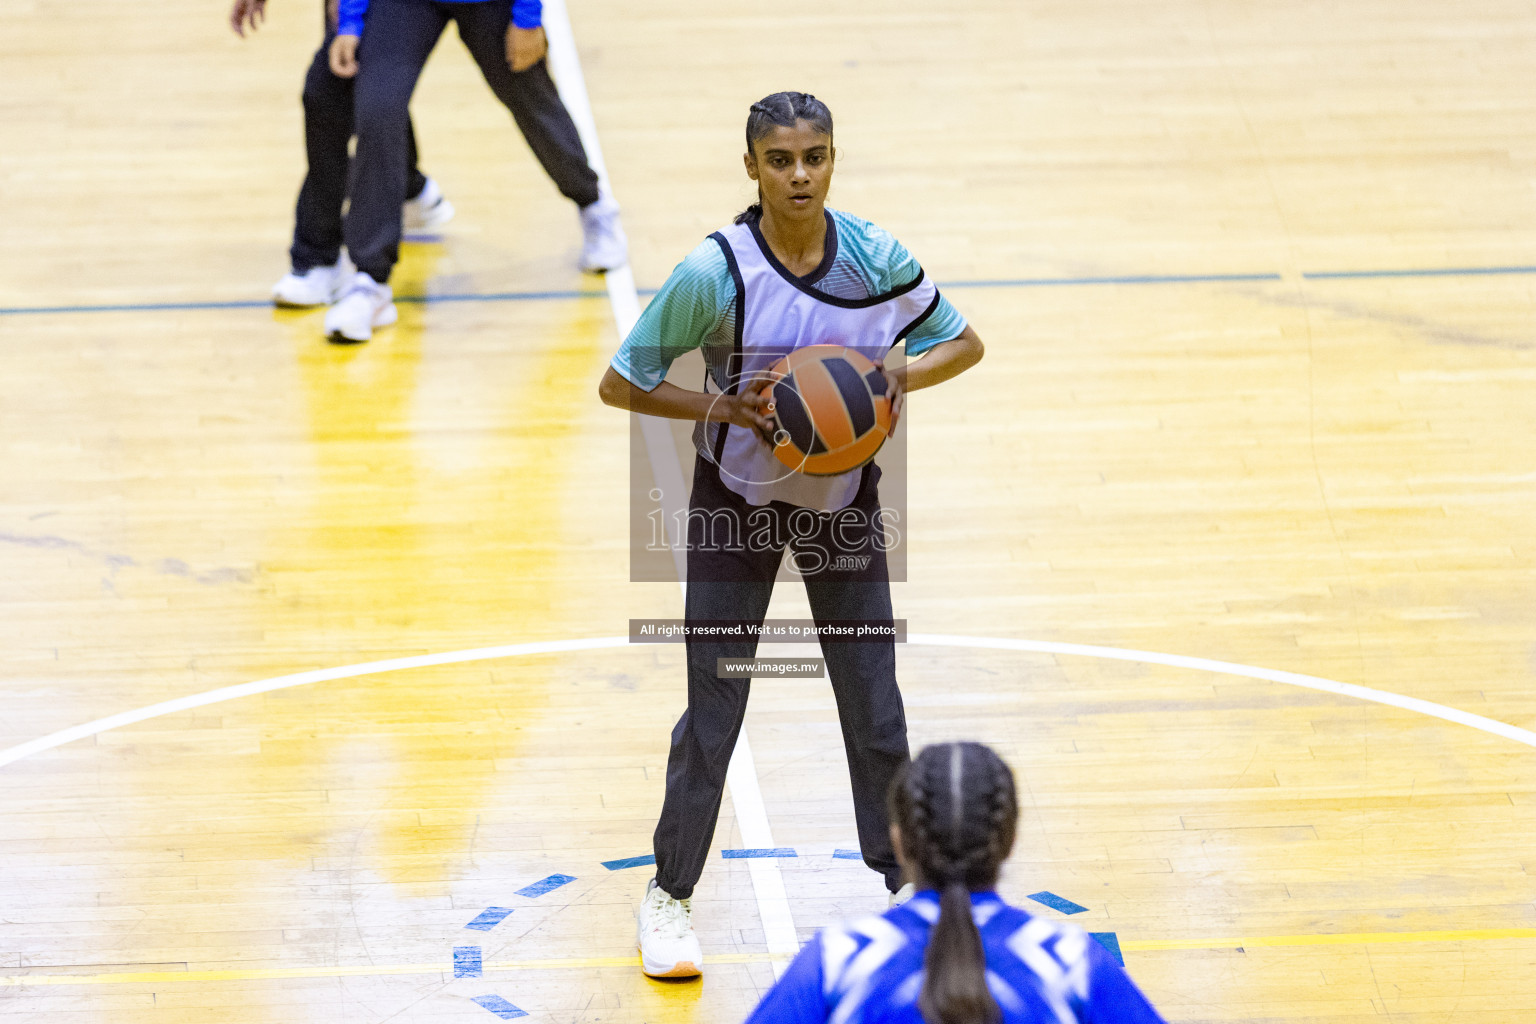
955,953
787,274
319,269
384,44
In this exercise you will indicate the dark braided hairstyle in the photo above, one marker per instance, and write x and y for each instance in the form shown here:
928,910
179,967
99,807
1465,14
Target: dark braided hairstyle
956,809
782,110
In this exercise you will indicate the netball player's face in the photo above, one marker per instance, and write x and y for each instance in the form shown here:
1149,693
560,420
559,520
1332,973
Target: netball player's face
793,166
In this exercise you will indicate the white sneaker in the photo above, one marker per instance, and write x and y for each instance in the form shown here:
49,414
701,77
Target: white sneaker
603,245
668,947
317,286
428,210
365,305
903,894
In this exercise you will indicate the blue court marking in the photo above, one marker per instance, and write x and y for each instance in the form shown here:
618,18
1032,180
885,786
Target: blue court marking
536,296
1109,942
847,855
500,1007
1058,282
1422,272
139,307
1055,902
499,296
161,307
629,862
489,918
1014,282
544,885
466,962
778,851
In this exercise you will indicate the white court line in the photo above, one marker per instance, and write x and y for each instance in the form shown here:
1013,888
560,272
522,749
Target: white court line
741,775
198,700
751,817
1396,700
1488,725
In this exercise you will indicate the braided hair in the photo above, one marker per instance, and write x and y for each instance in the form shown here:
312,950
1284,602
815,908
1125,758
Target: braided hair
956,809
782,110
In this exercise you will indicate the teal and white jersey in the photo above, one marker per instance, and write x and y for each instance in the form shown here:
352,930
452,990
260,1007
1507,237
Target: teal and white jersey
736,303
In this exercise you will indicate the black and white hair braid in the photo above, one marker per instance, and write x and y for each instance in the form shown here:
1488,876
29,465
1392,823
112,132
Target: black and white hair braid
957,811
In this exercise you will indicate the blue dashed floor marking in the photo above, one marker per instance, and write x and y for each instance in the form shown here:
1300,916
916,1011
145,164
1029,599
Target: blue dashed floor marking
778,851
545,885
489,918
466,962
500,1007
1109,942
1055,902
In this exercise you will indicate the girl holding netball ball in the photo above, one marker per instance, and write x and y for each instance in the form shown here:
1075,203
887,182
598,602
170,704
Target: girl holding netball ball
788,274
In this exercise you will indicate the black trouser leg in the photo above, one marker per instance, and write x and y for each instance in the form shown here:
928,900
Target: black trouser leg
736,585
416,181
722,584
399,38
704,738
863,673
317,234
327,130
531,97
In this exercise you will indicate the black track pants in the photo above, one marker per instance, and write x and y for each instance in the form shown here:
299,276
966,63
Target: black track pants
736,584
327,135
399,37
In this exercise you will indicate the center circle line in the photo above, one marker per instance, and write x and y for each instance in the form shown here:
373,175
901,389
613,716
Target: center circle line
1403,702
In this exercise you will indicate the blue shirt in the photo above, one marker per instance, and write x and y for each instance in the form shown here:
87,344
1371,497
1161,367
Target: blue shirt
870,971
351,14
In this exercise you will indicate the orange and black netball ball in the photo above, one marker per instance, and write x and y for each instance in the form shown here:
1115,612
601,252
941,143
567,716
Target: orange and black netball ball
831,408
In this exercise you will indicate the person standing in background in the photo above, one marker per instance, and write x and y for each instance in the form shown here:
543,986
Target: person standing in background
319,270
507,41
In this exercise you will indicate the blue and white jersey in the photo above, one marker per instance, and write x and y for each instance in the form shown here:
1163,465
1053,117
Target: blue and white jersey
870,971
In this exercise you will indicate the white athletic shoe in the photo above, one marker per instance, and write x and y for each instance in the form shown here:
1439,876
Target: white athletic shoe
603,245
317,286
903,894
430,209
366,304
668,947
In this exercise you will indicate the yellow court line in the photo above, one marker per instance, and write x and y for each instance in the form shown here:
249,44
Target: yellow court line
630,962
253,974
1349,939
360,970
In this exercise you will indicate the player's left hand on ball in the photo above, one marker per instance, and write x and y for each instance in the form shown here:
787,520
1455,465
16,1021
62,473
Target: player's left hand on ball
525,47
897,395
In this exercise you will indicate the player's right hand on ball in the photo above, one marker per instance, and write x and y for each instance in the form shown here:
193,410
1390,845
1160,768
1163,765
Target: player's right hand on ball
753,409
344,56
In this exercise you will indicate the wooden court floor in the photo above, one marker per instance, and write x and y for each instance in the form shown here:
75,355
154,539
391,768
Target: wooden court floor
1256,282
